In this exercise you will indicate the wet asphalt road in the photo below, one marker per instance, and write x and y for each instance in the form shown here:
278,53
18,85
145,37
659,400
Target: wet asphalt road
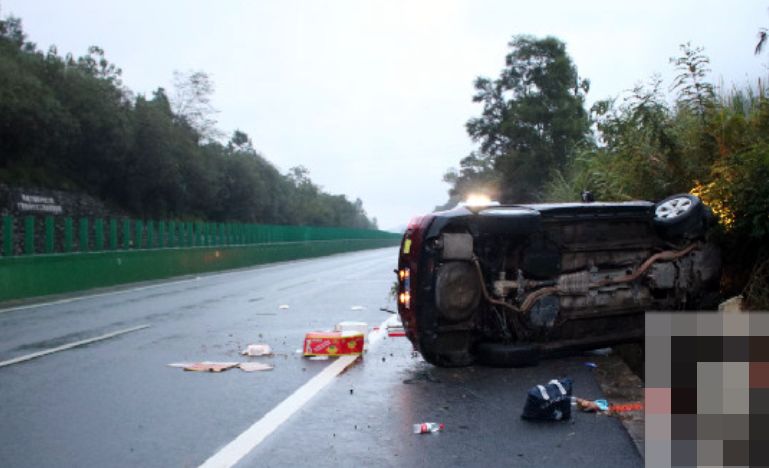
117,403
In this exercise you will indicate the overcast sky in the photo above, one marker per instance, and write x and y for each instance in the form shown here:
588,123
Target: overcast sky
372,96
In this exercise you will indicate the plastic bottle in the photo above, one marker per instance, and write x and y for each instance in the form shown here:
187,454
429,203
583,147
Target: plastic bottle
426,427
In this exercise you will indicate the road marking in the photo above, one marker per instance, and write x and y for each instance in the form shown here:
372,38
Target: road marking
45,352
233,452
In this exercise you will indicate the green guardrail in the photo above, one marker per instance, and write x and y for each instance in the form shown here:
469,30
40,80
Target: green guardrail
39,275
32,236
58,255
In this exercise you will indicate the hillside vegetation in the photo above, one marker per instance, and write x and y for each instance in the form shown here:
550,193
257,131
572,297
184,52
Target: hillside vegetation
538,143
70,123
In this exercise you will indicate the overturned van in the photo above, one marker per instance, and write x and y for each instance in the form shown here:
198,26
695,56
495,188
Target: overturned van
506,284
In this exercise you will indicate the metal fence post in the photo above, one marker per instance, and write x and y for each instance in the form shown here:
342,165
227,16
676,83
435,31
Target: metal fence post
98,231
83,229
113,234
29,235
187,234
150,234
162,234
171,234
126,234
67,235
7,236
139,238
49,233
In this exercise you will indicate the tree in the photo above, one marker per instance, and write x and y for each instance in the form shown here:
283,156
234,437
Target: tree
533,118
694,91
191,102
240,143
68,122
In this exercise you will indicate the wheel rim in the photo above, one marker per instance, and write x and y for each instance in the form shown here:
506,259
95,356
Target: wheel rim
673,208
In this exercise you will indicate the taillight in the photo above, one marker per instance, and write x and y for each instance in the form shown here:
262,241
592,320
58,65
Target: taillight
404,275
409,258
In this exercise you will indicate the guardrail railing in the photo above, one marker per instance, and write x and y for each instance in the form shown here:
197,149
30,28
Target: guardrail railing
32,235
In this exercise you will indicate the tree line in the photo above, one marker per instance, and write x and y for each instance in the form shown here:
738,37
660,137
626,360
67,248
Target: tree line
538,142
70,123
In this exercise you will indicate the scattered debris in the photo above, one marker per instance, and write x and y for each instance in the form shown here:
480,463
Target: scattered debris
257,350
283,306
254,366
551,402
603,406
206,366
349,326
395,328
428,427
389,311
333,343
210,366
591,406
361,327
638,406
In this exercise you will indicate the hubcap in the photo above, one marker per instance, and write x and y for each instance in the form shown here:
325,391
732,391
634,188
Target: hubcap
674,208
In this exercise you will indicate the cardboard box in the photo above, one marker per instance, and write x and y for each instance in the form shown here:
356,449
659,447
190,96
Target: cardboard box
348,326
333,343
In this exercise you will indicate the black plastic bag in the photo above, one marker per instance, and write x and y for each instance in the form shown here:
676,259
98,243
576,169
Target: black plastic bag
551,402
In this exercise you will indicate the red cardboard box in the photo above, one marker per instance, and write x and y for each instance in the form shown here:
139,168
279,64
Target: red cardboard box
333,343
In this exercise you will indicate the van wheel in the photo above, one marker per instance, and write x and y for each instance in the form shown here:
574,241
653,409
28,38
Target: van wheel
681,215
449,349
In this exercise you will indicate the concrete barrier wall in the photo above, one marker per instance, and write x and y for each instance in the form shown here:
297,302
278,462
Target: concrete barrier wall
39,275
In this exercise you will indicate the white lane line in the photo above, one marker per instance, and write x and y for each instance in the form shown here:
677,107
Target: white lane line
70,345
233,452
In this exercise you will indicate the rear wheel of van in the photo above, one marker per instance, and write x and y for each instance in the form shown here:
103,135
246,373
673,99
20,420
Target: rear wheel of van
681,215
